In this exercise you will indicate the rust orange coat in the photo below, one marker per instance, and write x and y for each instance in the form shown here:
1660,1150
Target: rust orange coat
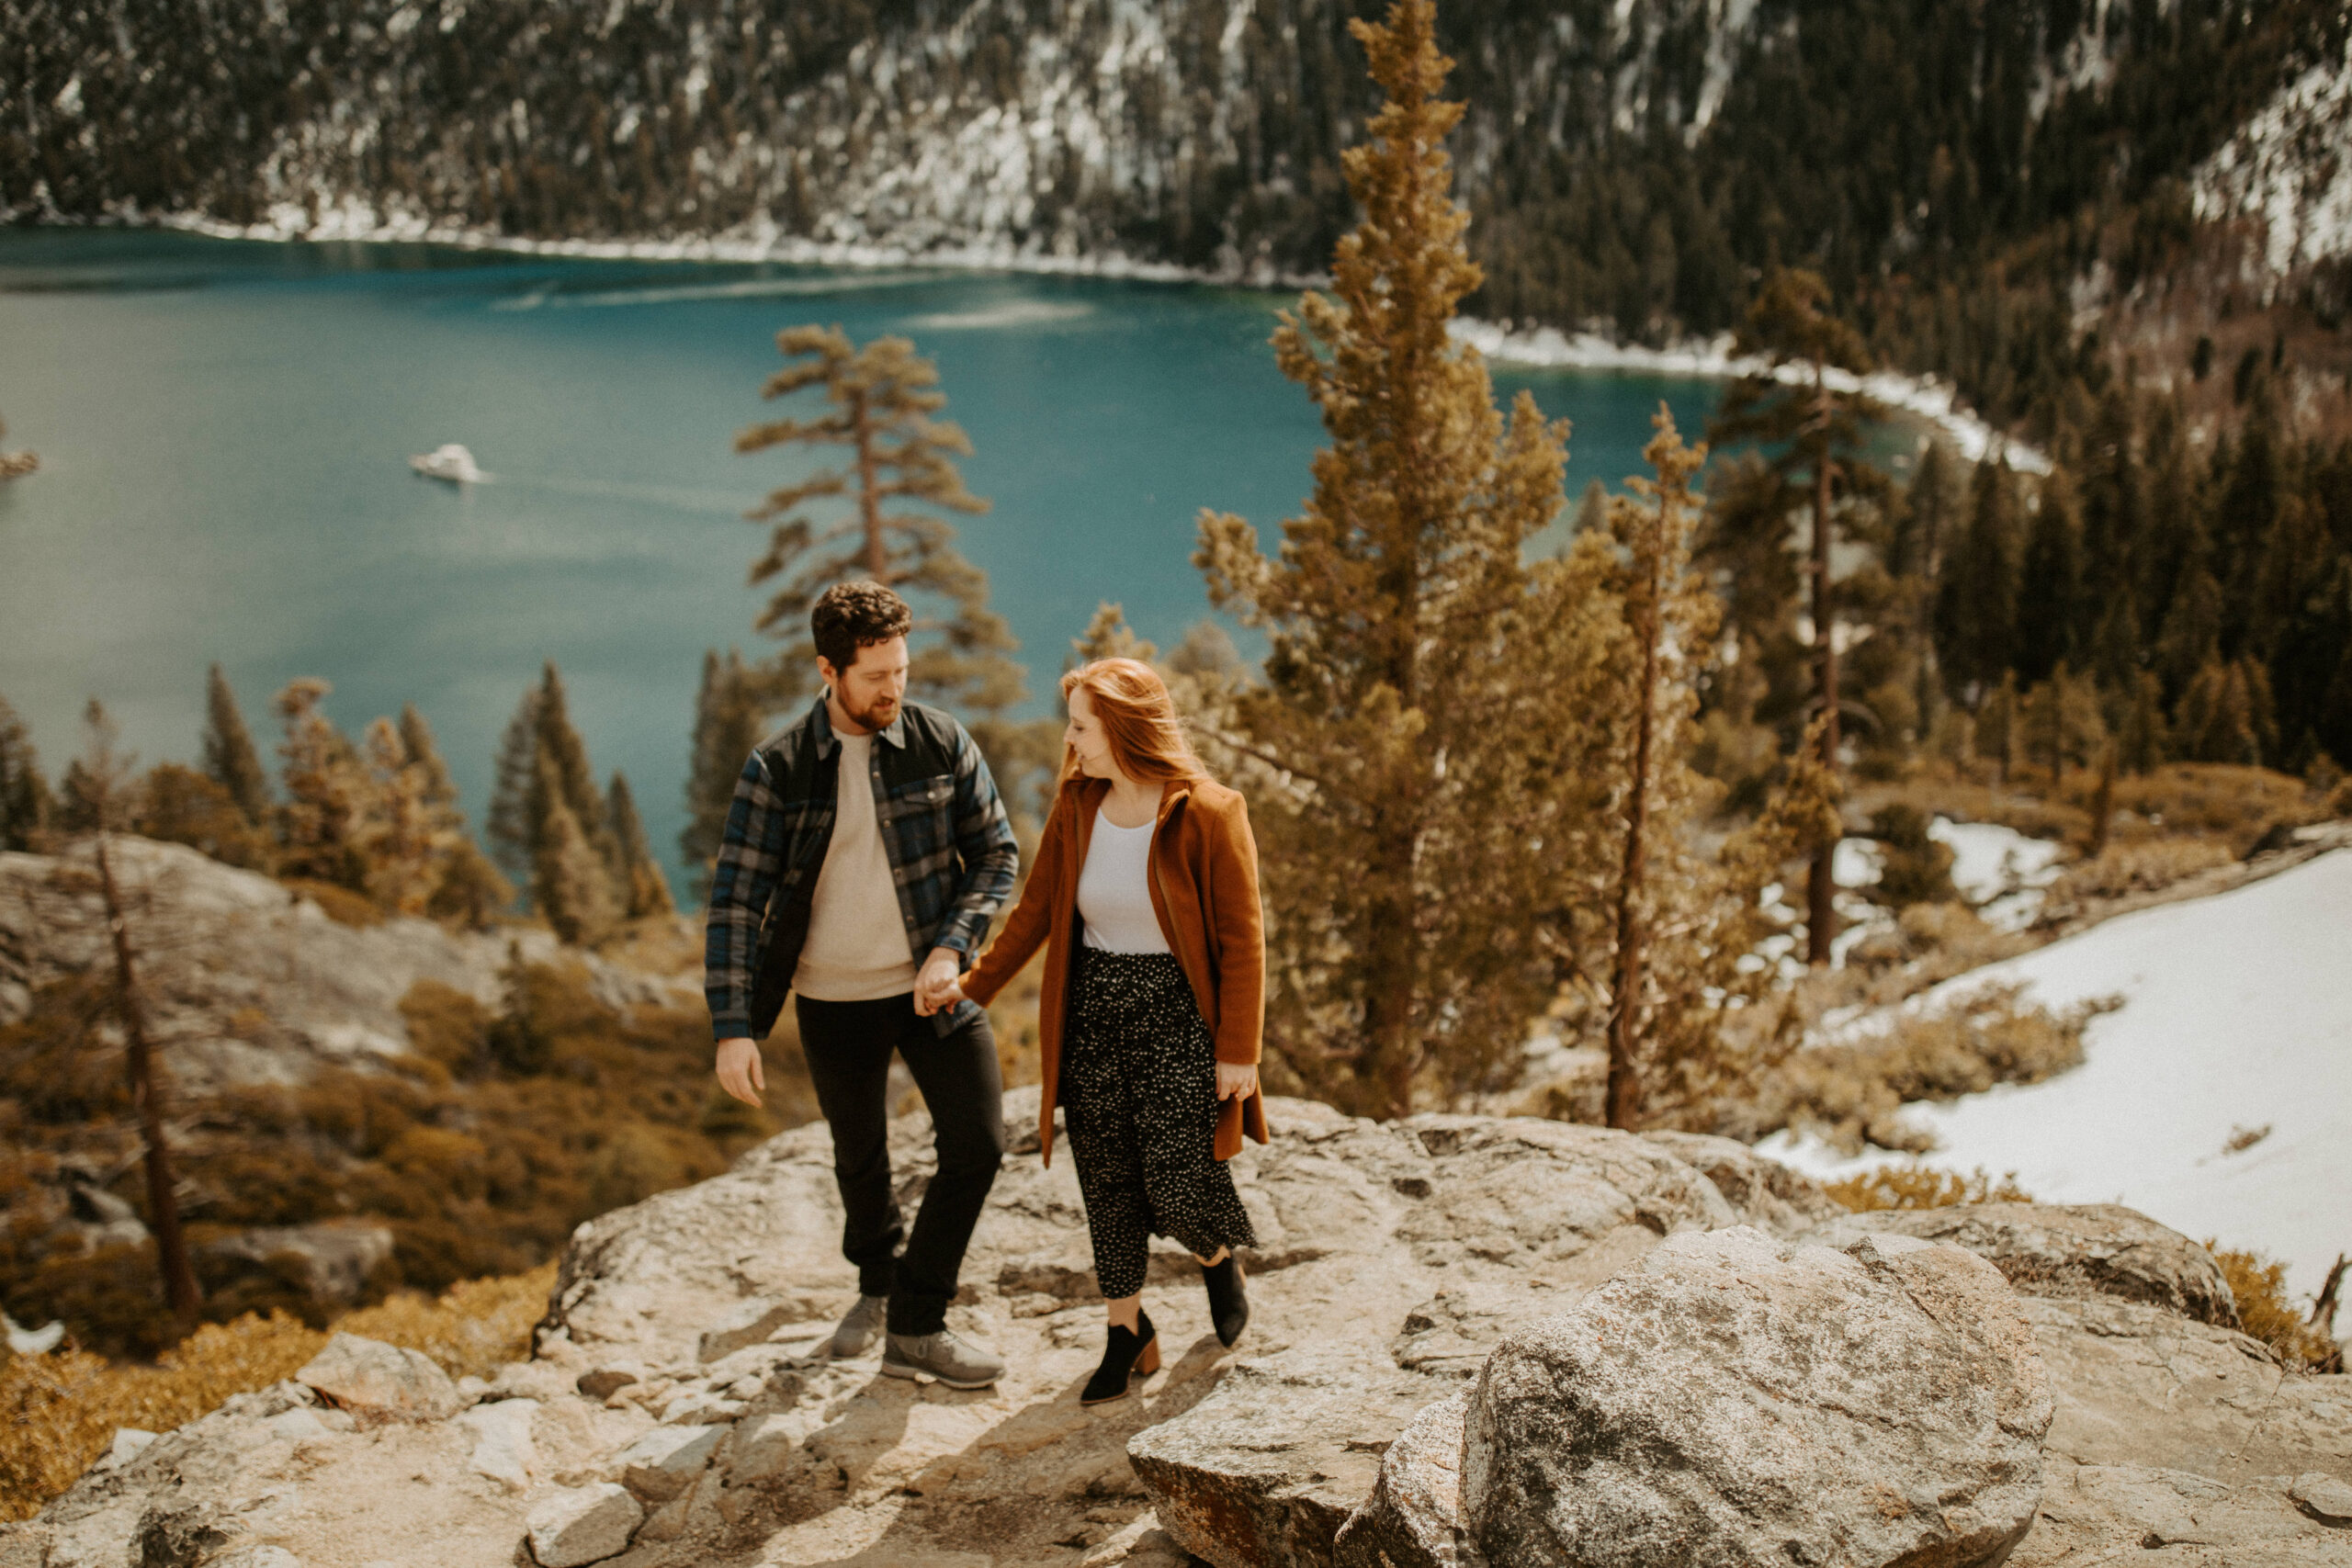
1203,880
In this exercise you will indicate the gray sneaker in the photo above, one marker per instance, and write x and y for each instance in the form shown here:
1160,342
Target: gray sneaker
956,1362
860,1330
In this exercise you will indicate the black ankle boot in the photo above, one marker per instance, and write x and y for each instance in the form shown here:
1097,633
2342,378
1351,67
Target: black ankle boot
1130,1351
1229,1308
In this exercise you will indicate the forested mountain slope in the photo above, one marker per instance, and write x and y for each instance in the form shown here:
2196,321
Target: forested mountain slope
1975,181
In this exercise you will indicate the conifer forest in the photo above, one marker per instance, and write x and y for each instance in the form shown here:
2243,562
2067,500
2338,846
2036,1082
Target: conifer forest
1611,798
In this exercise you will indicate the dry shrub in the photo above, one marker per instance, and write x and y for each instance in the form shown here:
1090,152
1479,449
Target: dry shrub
1850,1093
1923,1187
2143,865
2260,1286
338,902
58,1412
2218,800
480,1150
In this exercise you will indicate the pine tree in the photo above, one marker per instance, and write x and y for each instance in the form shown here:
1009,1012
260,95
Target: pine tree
1820,435
732,707
1108,636
2049,584
1423,682
2143,742
328,793
648,890
880,400
404,839
1975,608
543,764
572,882
25,802
229,760
508,826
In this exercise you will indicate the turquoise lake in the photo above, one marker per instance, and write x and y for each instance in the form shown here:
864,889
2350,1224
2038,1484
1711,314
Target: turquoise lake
223,428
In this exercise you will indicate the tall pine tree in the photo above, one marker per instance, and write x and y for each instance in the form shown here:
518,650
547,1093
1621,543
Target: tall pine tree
229,760
879,403
1409,700
1817,434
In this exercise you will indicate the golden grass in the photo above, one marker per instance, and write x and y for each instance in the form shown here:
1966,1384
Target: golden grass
2260,1286
60,1411
1923,1187
2143,865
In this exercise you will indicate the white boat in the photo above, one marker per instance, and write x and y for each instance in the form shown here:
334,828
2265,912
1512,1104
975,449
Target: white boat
448,461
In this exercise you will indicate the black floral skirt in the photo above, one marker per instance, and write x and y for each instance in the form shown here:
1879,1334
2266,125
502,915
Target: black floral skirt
1138,1095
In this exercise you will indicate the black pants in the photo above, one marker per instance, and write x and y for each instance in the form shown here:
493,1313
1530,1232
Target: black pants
1138,1094
848,1047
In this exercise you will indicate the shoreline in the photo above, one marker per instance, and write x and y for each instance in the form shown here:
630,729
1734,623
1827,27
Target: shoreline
1927,399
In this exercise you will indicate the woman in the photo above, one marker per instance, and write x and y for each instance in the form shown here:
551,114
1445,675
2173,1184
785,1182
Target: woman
1144,896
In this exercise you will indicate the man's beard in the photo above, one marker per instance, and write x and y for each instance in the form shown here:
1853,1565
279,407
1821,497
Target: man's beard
877,716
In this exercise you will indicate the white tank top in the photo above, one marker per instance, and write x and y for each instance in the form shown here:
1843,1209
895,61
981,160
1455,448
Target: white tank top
1114,890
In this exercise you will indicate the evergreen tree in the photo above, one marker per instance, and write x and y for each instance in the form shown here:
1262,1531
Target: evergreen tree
879,403
731,709
405,838
2143,742
508,825
1975,609
1817,435
2049,584
543,765
229,760
322,826
648,890
1108,636
1422,685
23,793
1682,919
572,882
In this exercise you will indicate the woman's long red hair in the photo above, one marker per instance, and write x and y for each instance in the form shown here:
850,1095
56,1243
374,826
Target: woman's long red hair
1138,719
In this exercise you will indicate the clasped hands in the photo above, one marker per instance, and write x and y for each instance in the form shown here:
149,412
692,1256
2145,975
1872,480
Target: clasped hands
939,984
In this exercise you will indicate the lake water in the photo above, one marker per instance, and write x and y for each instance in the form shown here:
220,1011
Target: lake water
223,428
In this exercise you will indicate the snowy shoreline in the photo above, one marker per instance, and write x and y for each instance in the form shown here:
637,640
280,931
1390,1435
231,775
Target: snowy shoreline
1924,397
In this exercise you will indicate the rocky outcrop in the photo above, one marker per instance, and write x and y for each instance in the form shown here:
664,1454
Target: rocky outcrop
1738,1400
252,981
677,1369
2084,1249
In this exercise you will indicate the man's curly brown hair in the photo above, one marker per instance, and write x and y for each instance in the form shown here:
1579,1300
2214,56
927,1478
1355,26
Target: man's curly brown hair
850,616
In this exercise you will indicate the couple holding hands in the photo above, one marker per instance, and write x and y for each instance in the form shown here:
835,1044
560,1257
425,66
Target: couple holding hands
866,853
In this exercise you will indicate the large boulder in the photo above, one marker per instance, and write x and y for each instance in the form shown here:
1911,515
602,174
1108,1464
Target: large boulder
2071,1250
1735,1400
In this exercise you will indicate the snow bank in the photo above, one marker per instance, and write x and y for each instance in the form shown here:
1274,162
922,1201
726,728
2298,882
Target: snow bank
2237,1016
1923,396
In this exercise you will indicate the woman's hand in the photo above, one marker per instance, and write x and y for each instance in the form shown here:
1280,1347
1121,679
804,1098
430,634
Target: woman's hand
1234,1079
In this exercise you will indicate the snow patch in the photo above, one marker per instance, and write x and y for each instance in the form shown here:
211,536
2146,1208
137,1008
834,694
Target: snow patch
2290,167
2237,1014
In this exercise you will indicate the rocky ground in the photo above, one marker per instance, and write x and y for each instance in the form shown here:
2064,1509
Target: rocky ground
250,981
676,1412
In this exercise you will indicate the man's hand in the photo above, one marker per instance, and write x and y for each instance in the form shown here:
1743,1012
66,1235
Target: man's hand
740,1073
935,985
1234,1079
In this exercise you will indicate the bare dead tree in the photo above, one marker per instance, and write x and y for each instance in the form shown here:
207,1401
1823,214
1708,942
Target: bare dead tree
100,777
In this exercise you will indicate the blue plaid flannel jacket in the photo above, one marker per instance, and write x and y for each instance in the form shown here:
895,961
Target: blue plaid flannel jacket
949,841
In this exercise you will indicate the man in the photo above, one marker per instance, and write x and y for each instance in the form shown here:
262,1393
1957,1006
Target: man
866,852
